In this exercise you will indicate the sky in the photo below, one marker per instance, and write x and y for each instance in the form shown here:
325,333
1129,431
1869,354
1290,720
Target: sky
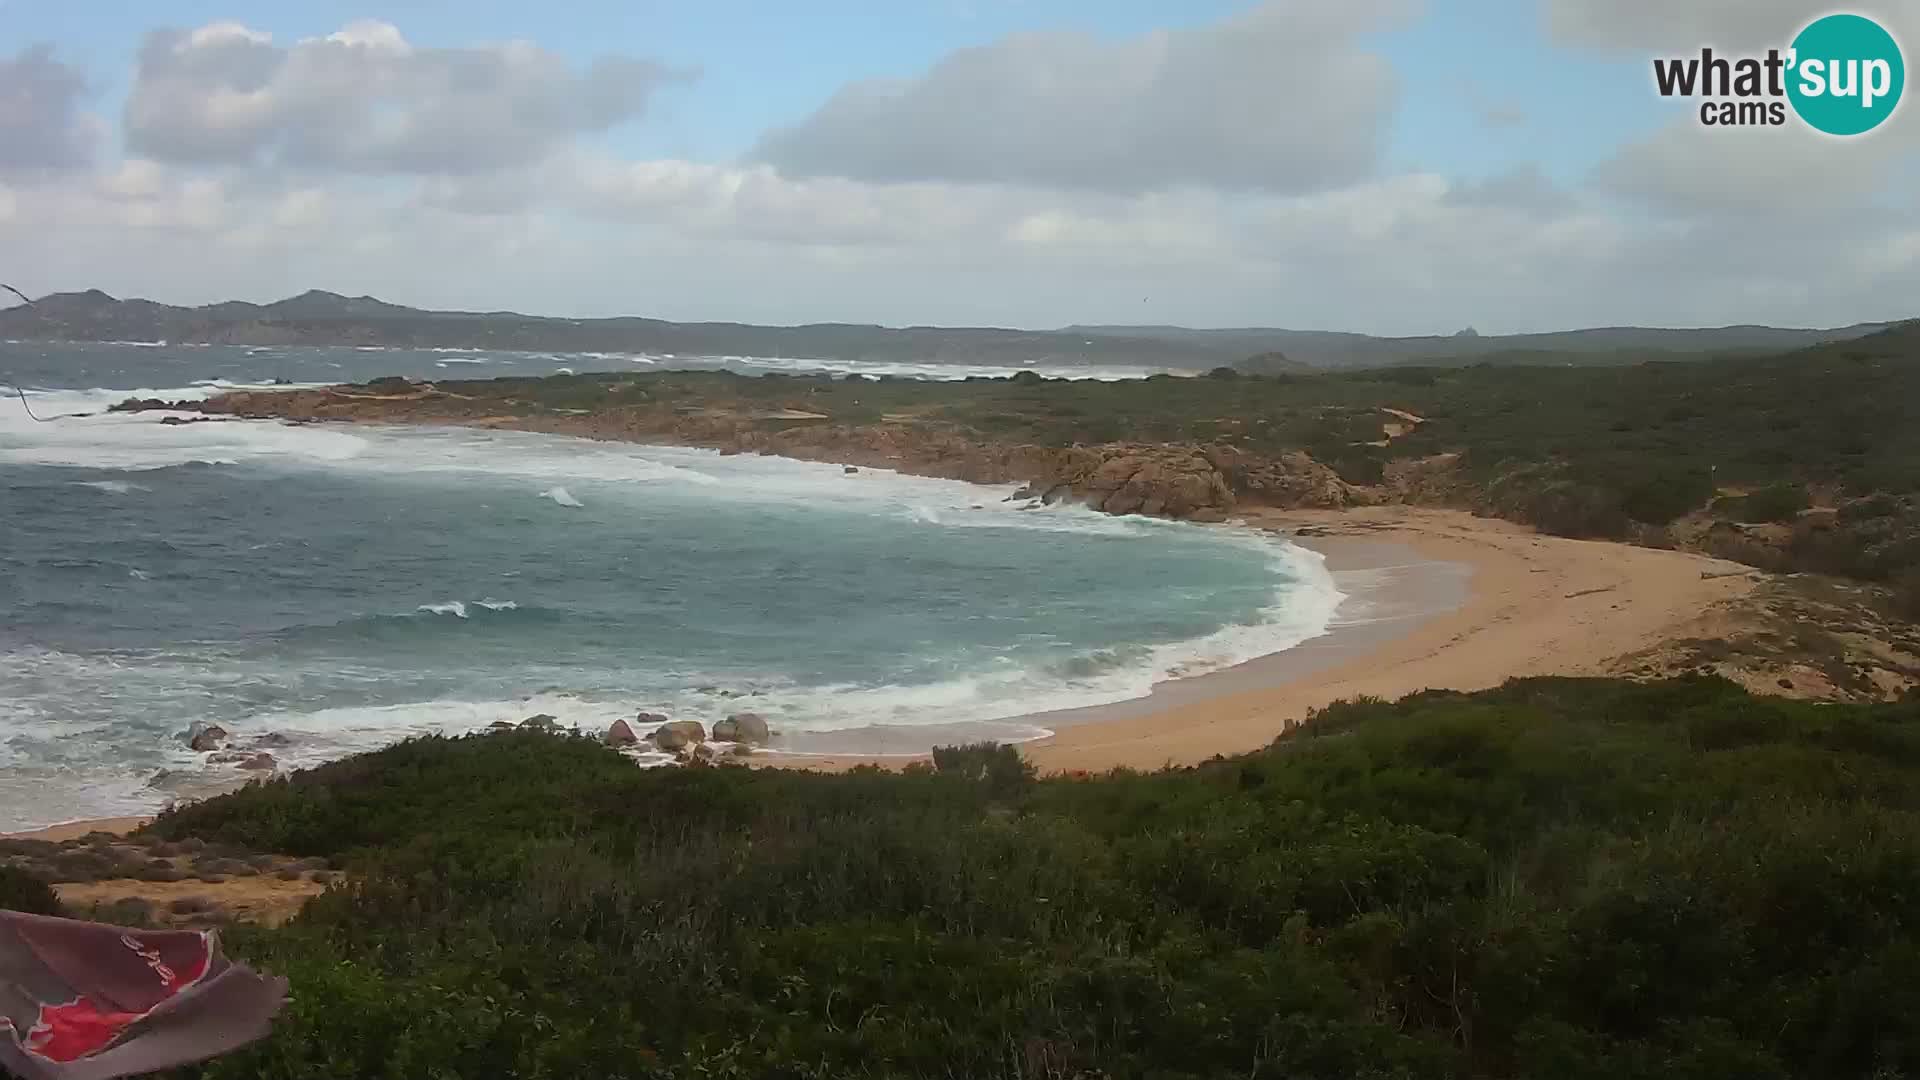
1381,166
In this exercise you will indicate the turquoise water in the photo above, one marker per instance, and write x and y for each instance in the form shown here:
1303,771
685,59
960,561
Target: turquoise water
346,586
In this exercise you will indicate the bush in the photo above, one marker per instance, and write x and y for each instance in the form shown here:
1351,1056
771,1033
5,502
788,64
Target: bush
1906,594
21,891
1780,502
1577,510
1000,767
1667,493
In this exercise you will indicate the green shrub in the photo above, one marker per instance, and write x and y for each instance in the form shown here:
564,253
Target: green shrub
21,891
1779,502
999,766
1906,594
1594,877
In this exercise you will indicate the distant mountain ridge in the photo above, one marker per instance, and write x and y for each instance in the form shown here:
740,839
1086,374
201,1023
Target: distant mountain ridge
1332,348
317,317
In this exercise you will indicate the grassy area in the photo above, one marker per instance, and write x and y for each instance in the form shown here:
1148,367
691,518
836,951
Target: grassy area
1569,878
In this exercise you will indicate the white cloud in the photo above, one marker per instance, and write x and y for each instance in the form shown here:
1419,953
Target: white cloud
1676,26
41,124
1757,173
1411,253
365,100
1282,98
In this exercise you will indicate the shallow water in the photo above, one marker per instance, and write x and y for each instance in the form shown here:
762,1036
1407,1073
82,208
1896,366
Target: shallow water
346,586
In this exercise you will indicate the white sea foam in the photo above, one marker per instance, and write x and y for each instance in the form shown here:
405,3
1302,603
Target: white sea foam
112,487
323,734
561,496
461,609
81,433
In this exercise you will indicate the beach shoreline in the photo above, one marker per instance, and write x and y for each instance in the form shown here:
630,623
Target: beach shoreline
1527,604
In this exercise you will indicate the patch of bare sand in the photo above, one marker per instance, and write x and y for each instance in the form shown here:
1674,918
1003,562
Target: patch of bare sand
260,895
74,830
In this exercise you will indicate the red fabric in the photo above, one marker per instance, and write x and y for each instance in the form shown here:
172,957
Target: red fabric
98,1001
74,1030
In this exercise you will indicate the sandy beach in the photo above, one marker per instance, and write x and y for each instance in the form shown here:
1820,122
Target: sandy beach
74,830
1532,605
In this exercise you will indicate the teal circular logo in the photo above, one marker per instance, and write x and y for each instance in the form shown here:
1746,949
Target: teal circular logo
1845,74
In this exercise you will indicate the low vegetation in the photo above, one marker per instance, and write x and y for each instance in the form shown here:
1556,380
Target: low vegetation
22,890
1568,878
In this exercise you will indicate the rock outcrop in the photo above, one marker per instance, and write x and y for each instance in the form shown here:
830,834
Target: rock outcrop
620,734
1436,479
1289,480
679,734
206,737
743,727
252,760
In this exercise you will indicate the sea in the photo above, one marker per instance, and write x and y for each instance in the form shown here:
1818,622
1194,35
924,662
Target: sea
341,587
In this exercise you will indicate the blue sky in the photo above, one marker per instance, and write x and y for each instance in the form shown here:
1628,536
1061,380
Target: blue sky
1382,165
763,65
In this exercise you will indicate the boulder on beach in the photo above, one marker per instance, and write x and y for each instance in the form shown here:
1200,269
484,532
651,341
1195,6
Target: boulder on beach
541,722
620,734
679,734
205,737
500,725
743,727
650,719
259,761
272,740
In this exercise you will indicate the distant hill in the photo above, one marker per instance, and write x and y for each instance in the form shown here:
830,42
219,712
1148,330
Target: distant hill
323,318
1611,344
317,317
